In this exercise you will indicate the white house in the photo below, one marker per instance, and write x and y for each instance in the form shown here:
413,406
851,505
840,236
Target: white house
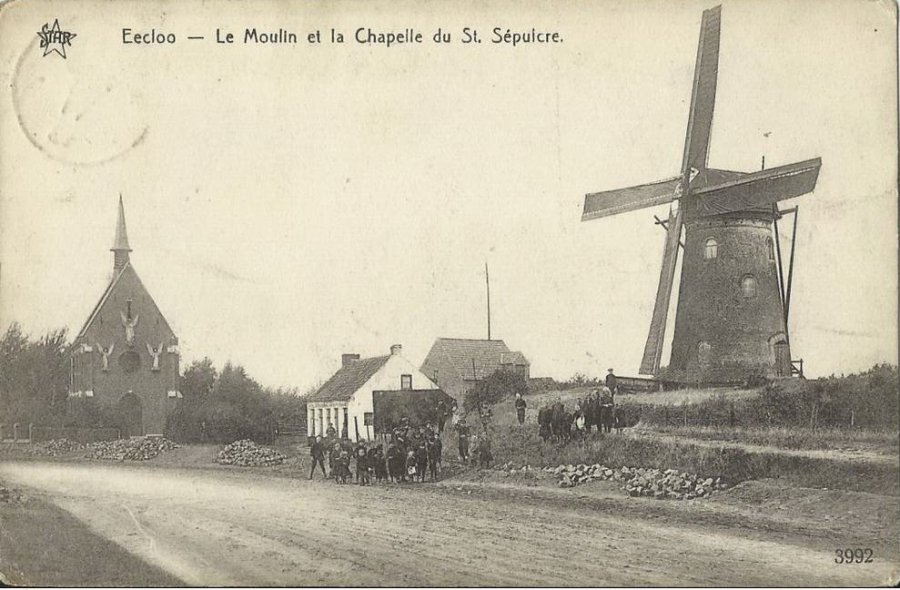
345,401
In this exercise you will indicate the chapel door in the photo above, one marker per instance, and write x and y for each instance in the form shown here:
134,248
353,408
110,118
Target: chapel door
131,415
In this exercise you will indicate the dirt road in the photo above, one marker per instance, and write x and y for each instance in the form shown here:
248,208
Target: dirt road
224,528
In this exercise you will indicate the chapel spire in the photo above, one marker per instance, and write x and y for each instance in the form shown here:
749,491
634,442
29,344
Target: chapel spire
120,246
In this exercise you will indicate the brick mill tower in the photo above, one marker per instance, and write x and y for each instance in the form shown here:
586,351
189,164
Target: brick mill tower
125,359
733,299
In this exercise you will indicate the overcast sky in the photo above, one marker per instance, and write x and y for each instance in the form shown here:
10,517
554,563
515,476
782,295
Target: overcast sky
287,204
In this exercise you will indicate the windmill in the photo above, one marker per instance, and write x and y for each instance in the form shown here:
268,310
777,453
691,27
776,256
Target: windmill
732,311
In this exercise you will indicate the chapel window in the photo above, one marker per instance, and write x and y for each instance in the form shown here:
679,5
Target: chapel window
748,286
711,249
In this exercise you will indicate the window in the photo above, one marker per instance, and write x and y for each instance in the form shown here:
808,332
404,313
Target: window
748,286
435,376
711,250
405,381
130,361
770,248
703,349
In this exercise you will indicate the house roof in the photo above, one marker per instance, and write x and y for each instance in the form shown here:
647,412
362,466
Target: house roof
487,354
513,358
348,379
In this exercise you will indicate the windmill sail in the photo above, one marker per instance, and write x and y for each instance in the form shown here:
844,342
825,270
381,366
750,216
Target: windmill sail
696,149
757,189
703,94
653,347
617,201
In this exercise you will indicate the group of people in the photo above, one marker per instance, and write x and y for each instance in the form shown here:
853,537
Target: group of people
598,409
471,446
411,455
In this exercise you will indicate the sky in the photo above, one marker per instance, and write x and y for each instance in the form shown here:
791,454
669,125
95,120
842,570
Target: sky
290,203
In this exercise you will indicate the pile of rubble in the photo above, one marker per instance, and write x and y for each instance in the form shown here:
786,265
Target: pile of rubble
130,449
9,495
55,448
639,481
249,454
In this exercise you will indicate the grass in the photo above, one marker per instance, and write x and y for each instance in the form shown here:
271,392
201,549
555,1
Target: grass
678,397
521,445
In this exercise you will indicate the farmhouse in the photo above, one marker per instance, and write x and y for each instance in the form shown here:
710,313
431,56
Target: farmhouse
456,364
346,401
126,355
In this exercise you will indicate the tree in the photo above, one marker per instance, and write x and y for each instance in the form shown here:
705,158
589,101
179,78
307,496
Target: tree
498,386
33,376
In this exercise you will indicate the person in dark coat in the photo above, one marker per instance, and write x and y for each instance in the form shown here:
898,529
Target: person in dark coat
462,429
612,382
485,458
376,460
435,449
317,452
395,461
421,462
520,408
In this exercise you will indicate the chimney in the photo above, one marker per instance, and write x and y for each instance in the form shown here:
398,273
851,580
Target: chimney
396,348
346,359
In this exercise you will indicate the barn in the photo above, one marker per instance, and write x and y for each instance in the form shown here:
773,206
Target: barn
456,364
347,400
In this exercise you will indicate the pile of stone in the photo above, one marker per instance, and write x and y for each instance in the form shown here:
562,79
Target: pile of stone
9,495
639,481
130,449
249,454
56,447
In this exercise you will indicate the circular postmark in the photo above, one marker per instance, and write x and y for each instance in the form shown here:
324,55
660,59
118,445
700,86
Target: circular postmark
80,111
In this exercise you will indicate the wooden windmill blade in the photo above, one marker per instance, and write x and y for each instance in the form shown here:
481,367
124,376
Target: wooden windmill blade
613,202
654,345
703,94
696,150
758,189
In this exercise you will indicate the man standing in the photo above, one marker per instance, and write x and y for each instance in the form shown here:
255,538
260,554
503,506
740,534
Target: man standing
317,452
612,383
462,430
520,408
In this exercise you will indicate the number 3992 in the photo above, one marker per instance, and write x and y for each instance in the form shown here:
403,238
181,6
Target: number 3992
858,555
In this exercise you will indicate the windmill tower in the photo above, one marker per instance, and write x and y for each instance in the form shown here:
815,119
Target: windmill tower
731,317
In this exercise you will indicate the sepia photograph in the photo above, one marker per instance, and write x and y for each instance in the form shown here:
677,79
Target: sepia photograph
449,294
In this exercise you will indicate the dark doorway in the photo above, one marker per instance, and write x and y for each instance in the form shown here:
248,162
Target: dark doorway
782,359
131,415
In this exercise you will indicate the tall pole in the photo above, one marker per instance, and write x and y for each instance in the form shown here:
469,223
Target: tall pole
487,280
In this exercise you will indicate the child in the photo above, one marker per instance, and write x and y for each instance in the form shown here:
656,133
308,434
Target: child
484,453
343,468
434,457
395,461
421,462
362,467
410,465
376,460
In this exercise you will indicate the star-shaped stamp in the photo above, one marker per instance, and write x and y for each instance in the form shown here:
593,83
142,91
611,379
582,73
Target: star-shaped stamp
54,39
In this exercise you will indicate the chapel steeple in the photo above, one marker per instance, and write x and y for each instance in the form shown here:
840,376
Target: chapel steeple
120,247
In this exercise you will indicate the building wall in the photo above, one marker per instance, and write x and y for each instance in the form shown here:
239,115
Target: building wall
720,334
448,378
155,389
388,377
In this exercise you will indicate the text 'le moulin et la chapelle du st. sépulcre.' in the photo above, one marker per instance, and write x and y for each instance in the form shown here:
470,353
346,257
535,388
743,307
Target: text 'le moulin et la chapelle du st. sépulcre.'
361,36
